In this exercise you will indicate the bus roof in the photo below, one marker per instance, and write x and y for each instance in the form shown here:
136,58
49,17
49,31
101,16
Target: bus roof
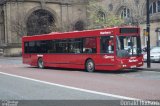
75,34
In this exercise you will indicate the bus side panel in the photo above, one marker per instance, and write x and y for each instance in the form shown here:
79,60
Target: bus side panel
78,61
102,61
27,59
106,62
65,60
34,59
68,60
133,62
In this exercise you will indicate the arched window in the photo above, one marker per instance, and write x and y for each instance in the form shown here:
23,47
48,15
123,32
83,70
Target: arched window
110,7
101,15
79,26
125,13
154,7
40,22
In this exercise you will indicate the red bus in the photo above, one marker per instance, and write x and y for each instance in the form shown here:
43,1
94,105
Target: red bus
111,49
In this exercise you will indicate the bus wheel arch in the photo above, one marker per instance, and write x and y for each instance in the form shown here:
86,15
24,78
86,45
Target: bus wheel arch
89,65
40,63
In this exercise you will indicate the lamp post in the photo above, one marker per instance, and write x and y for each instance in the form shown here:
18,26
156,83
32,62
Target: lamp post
148,33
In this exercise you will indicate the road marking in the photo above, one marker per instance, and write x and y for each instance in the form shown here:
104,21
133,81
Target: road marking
74,88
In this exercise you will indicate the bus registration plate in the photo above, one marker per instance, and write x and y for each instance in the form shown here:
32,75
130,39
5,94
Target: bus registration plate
134,66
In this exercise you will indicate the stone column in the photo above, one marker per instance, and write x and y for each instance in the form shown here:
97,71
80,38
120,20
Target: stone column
66,15
5,8
1,25
2,33
43,3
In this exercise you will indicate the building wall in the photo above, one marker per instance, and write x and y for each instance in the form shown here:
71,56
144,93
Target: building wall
66,13
153,34
138,13
1,26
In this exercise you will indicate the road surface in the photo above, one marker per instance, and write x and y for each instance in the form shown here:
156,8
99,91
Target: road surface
23,82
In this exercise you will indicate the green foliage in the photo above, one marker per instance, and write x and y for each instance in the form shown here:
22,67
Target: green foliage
113,20
98,17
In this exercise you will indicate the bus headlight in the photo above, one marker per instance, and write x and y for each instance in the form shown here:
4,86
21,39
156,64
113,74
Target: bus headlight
140,63
124,65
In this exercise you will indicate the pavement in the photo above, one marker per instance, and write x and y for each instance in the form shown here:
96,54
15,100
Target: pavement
153,67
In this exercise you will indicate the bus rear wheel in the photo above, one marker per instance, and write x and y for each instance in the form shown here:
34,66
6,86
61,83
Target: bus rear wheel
40,63
90,66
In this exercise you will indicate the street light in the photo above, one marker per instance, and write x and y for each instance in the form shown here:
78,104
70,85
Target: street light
148,33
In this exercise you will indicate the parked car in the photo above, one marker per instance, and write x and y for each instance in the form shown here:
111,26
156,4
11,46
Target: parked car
144,49
154,55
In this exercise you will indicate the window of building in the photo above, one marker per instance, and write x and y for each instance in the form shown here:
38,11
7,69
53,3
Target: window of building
110,7
158,36
155,7
101,15
158,6
79,26
40,22
150,9
125,13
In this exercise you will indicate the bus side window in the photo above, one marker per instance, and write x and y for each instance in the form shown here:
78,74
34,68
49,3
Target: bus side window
89,45
107,44
75,46
87,50
26,46
93,50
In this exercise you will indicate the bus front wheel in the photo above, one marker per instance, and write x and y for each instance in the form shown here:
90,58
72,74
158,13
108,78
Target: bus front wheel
90,66
40,63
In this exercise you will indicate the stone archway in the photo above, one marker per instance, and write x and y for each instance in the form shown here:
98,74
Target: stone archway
79,25
40,22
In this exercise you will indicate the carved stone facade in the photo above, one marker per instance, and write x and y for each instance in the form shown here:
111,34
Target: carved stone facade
134,12
71,15
66,14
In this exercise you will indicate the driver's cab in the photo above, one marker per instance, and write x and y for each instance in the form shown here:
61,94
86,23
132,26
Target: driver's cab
107,44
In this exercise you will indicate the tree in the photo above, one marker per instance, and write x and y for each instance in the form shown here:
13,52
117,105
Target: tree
18,26
98,17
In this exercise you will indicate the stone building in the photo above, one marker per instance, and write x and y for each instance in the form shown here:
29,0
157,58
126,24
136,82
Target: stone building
134,12
22,17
